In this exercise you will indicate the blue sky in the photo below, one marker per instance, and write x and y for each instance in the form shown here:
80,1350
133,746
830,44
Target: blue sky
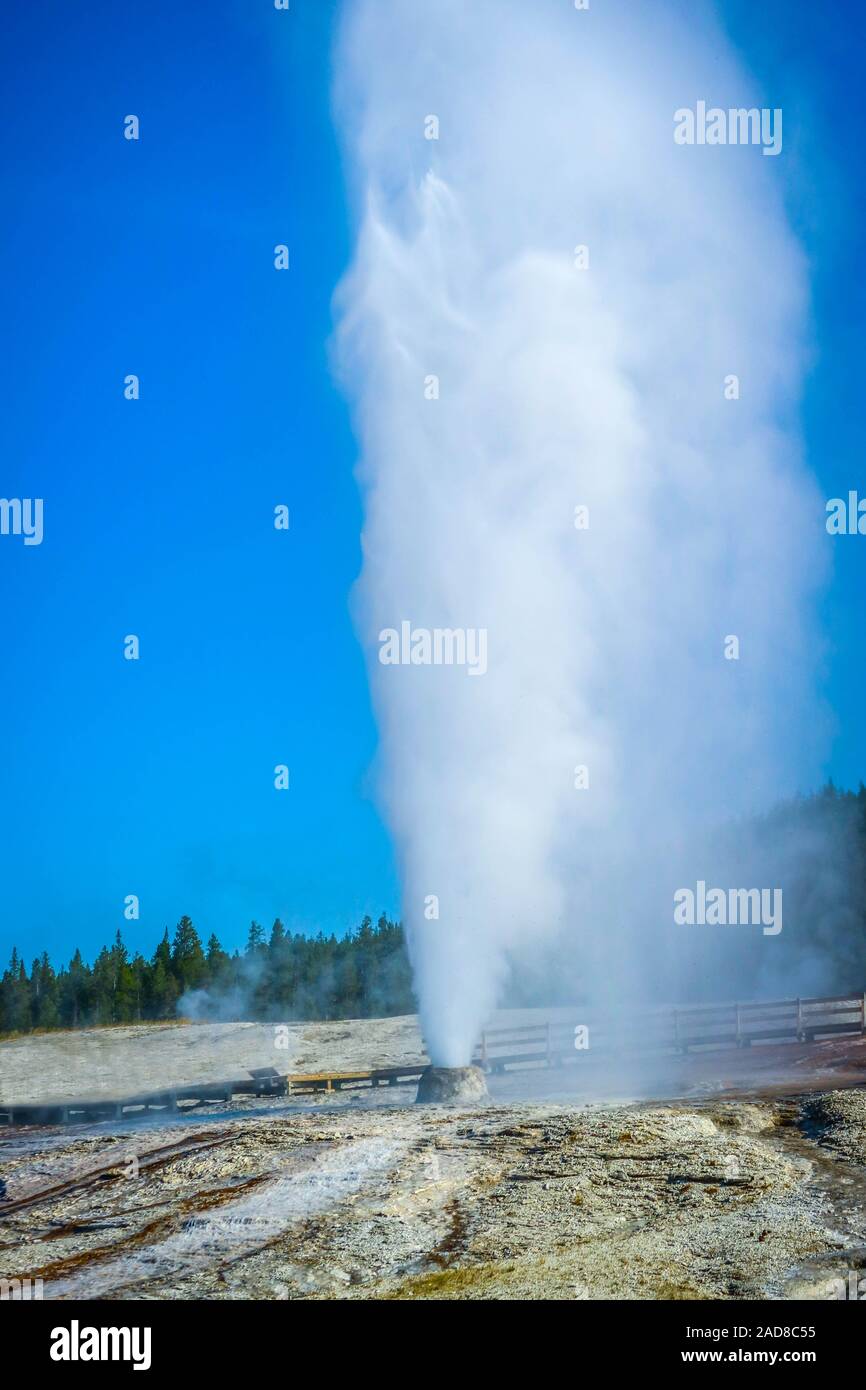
155,257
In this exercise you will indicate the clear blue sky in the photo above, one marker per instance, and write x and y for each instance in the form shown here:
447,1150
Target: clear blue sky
156,258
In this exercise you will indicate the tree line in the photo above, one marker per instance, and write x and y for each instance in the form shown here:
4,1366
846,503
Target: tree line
279,975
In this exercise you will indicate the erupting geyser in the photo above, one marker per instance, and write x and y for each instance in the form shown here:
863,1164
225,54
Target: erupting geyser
448,1084
600,553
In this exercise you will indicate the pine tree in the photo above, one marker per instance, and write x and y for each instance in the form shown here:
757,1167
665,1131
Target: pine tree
47,1012
256,939
15,993
188,963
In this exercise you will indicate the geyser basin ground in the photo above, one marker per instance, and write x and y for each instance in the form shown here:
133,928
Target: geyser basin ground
447,1085
709,1199
365,1195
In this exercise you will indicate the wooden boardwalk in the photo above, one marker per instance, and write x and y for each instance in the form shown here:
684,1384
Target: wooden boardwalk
701,1027
266,1081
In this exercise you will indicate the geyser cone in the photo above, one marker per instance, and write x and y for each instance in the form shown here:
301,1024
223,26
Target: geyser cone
444,1085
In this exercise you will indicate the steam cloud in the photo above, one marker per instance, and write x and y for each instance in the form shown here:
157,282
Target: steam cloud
562,387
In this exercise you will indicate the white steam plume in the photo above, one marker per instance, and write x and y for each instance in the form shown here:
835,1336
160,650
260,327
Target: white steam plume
561,387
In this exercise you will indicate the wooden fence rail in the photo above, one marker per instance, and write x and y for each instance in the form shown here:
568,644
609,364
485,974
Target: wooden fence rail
681,1029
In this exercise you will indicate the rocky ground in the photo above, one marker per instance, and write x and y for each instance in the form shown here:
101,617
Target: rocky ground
744,1184
838,1121
379,1198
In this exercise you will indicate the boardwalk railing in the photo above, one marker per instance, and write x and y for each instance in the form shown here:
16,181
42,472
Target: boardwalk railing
697,1026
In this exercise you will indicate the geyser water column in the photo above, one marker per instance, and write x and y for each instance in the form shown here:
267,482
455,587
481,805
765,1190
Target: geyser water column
548,302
